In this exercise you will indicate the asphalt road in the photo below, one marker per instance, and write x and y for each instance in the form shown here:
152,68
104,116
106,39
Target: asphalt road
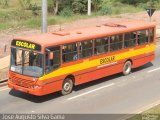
116,94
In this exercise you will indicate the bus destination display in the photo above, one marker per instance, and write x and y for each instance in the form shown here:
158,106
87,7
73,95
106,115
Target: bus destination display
26,44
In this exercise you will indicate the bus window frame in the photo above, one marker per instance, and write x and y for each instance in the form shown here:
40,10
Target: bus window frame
62,52
53,56
154,34
40,52
148,36
136,42
81,58
119,34
94,40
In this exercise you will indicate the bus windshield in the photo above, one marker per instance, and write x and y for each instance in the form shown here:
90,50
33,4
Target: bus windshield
26,62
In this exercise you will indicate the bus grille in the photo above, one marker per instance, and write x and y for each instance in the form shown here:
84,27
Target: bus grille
22,82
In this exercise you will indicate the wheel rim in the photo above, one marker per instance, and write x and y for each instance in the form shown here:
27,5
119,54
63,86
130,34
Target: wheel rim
128,68
67,86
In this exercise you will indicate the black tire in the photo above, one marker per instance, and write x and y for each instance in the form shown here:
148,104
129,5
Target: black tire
127,68
67,86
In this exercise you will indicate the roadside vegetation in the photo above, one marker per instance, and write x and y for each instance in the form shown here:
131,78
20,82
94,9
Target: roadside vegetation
151,114
17,14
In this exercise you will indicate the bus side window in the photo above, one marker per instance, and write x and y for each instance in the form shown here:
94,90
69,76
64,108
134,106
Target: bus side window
86,49
69,52
143,37
101,46
52,63
116,42
130,39
151,32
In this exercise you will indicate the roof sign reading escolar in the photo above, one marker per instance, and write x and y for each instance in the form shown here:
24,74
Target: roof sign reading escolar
26,44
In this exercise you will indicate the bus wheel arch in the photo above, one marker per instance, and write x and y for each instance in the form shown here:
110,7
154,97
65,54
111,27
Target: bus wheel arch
127,67
71,77
68,84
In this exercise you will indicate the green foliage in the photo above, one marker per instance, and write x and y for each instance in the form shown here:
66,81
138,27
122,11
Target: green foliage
51,6
66,12
25,4
106,10
28,5
32,22
21,13
143,5
153,4
96,4
65,3
18,14
4,3
34,9
150,4
79,6
137,2
105,7
132,2
121,8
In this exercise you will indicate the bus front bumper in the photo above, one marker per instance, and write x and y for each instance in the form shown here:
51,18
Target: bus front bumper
37,91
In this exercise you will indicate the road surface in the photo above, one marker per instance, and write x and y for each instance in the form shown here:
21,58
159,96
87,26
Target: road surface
116,94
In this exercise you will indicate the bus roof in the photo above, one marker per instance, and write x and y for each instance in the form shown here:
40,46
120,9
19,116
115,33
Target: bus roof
61,37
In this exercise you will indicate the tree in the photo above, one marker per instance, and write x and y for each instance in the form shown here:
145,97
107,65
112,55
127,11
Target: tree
80,6
135,2
56,6
53,6
96,4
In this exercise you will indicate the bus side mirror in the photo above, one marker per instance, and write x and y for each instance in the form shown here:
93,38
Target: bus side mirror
51,55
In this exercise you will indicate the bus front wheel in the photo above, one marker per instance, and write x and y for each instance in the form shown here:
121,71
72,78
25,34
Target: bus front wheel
67,86
127,68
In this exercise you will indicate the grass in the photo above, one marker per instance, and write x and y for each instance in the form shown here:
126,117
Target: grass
17,18
151,114
14,17
126,9
154,110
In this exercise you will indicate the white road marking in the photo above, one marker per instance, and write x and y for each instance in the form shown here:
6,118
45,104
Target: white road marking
71,98
4,89
154,70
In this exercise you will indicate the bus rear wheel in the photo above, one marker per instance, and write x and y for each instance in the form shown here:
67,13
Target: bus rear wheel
67,86
127,68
